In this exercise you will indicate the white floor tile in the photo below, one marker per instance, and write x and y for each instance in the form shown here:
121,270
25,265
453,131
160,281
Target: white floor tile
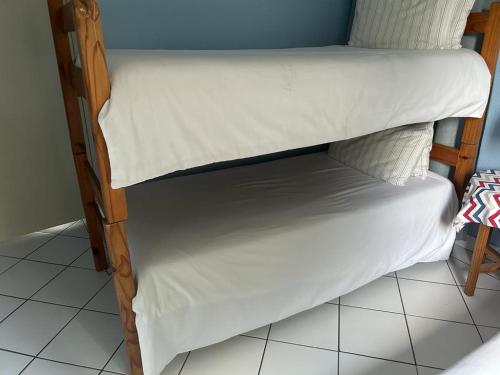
290,359
461,253
73,287
356,365
428,371
391,274
239,355
381,294
488,332
175,366
61,250
105,300
22,246
98,335
57,229
32,326
434,271
78,229
43,367
12,363
439,343
374,333
119,363
26,277
86,260
460,270
317,327
260,333
5,263
433,301
335,301
485,307
7,305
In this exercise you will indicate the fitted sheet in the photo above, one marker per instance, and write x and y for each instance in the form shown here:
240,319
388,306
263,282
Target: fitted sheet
225,252
174,110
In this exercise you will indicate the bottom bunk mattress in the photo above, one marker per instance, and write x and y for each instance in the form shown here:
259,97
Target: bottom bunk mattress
225,252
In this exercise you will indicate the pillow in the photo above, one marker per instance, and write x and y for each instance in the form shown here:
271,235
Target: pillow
392,155
422,166
411,24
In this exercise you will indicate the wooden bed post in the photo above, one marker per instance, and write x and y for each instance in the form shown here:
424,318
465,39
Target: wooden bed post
473,129
92,82
77,139
464,157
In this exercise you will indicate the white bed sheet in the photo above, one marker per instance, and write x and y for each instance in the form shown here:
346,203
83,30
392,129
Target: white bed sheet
173,110
225,252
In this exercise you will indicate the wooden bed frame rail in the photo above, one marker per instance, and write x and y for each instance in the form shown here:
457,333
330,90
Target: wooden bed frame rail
106,208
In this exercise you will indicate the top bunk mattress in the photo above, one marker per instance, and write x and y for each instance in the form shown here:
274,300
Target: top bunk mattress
174,110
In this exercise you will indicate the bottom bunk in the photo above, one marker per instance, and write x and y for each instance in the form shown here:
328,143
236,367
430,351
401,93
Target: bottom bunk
225,252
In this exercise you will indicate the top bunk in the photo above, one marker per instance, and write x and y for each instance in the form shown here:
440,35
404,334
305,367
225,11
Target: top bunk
143,124
175,110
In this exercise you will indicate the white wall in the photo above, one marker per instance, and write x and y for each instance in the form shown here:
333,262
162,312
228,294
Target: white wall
37,180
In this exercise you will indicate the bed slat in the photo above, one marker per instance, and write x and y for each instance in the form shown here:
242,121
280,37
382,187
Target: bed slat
444,154
68,20
77,80
476,23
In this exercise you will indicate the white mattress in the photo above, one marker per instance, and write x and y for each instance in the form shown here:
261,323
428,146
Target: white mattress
225,252
173,110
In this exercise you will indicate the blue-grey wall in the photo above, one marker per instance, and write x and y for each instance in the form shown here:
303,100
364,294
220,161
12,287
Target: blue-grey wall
224,24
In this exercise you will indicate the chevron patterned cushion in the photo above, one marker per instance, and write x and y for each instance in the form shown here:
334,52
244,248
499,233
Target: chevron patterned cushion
393,155
481,203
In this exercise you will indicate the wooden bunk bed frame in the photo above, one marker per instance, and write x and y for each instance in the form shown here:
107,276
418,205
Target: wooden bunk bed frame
106,208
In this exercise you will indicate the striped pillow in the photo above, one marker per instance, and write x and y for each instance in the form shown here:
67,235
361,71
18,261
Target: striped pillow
392,155
411,24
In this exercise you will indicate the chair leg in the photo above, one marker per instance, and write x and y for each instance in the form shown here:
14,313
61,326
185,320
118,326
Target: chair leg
123,277
477,259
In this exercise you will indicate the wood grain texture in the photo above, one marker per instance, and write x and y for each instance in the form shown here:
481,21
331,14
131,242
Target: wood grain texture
444,154
477,259
90,39
75,126
464,158
125,287
476,22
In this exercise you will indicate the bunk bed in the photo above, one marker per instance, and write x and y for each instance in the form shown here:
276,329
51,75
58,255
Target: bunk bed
193,257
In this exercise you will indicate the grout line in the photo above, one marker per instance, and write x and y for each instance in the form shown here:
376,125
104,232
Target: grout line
61,362
184,363
265,347
338,337
406,321
465,303
27,255
59,332
386,359
482,273
111,357
304,345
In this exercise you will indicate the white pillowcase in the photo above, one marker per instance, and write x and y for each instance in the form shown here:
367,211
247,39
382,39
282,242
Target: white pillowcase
393,155
411,24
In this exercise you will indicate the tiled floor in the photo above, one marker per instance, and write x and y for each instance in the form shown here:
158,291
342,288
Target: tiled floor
58,317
